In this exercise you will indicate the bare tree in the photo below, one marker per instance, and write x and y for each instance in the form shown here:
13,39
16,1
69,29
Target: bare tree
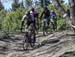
72,9
63,12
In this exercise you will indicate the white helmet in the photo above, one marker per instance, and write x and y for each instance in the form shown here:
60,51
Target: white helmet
31,12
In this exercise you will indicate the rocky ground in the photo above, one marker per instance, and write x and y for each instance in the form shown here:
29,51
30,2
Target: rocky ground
52,45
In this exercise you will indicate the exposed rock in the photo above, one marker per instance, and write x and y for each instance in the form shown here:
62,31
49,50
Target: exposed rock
3,35
53,46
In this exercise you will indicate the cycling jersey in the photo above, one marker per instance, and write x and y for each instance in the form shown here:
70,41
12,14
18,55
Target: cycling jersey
29,17
45,13
53,15
35,14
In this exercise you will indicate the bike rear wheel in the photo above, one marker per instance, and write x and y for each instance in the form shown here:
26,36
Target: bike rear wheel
32,38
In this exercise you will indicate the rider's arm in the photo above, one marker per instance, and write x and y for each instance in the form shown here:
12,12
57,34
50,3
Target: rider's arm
23,17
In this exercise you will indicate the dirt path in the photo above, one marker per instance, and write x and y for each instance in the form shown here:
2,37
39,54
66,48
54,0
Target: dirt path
15,44
52,45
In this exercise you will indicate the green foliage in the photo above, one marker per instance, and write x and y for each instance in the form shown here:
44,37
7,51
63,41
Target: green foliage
68,54
45,2
64,6
21,4
28,2
12,20
15,5
1,6
2,15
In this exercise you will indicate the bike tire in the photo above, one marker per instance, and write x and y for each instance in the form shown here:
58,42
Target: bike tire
33,39
25,43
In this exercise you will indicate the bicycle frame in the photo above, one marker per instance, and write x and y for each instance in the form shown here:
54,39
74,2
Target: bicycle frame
29,37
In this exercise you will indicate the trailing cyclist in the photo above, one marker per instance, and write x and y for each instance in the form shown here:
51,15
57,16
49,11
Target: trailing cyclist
53,19
46,19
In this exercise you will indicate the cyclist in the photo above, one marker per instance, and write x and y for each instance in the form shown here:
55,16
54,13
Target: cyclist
46,16
53,19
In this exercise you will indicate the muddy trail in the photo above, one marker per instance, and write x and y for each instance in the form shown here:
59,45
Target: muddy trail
52,45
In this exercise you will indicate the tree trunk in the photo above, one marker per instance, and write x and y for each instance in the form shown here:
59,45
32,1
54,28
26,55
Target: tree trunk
63,12
72,13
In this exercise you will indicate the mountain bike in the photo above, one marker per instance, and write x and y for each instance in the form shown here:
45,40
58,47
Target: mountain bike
29,37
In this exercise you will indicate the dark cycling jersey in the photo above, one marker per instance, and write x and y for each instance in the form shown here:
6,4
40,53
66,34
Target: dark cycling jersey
45,13
35,14
30,19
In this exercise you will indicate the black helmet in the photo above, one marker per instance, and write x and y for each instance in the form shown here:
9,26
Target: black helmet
32,9
28,12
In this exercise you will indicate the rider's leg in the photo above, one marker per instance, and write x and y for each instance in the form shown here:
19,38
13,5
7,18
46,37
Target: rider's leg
37,25
48,21
34,33
47,25
54,24
44,28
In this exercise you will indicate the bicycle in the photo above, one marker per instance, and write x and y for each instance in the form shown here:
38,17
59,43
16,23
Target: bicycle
29,38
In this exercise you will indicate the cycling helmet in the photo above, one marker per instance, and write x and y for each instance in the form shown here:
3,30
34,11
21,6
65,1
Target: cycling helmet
31,12
32,9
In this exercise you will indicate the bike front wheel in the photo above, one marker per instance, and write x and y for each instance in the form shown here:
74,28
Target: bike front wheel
25,43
